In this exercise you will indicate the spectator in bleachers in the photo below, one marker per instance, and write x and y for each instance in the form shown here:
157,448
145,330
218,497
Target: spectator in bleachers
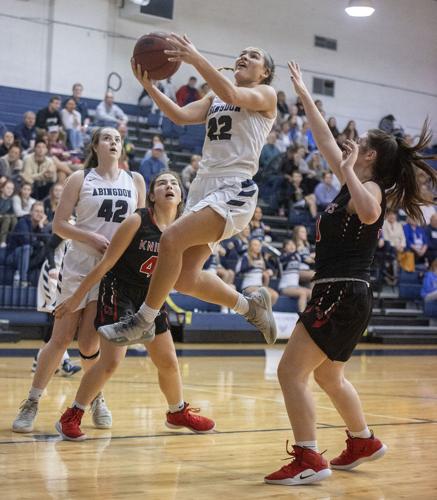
50,115
188,92
39,170
393,231
306,252
127,158
298,196
154,165
416,238
22,201
332,124
429,286
431,233
300,107
11,165
294,131
325,191
340,139
58,153
157,139
189,172
257,227
8,141
27,241
109,114
25,132
203,90
283,141
51,202
3,130
254,271
429,209
389,125
72,123
236,247
306,139
213,265
169,89
289,282
281,105
319,106
8,218
350,131
295,117
269,150
81,106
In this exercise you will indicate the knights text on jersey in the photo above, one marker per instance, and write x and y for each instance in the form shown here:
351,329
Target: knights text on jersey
104,204
345,247
137,263
234,139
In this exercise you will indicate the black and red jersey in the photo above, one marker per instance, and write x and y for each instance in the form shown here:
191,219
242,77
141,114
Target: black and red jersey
138,261
345,247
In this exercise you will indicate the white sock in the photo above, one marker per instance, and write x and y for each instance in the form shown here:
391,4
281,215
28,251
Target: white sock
177,407
147,313
65,356
242,305
312,445
78,405
364,434
35,393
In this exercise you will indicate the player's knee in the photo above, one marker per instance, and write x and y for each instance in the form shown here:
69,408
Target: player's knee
167,364
59,343
329,383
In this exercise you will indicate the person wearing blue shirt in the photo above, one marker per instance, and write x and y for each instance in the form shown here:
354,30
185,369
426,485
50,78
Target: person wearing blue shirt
325,191
152,166
429,286
25,132
417,239
269,150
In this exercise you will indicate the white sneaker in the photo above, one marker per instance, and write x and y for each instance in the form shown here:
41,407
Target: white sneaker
261,315
102,416
25,418
130,330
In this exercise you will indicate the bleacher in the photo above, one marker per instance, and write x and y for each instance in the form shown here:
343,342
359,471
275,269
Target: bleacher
399,322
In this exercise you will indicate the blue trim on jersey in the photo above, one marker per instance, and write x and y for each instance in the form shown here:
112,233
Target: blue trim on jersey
236,203
247,183
246,193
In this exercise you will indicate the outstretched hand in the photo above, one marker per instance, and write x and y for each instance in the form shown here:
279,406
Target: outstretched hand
140,75
296,78
183,51
350,154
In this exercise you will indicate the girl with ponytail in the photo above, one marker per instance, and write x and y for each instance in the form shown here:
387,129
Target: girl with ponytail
378,170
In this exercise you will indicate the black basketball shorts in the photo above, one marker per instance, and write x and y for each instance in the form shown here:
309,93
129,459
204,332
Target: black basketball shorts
337,315
118,299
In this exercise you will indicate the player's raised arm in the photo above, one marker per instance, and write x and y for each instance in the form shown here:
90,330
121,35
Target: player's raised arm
324,139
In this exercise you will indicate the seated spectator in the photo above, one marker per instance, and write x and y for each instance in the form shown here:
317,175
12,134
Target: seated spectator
305,138
297,196
350,131
325,191
307,254
269,150
332,124
50,115
300,107
313,166
289,282
157,139
127,157
51,202
58,153
253,269
152,166
340,139
203,90
11,166
25,132
283,141
429,285
416,239
213,265
39,170
109,114
72,123
7,215
235,248
81,105
22,202
257,227
26,242
189,172
319,106
282,106
393,231
169,89
295,117
188,92
431,236
8,141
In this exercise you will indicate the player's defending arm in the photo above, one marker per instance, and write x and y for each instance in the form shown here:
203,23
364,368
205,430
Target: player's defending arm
194,112
120,241
141,189
324,139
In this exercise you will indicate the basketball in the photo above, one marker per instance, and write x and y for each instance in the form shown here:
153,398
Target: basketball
149,53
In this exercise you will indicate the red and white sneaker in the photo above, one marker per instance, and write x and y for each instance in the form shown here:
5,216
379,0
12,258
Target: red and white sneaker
69,425
188,418
307,467
358,451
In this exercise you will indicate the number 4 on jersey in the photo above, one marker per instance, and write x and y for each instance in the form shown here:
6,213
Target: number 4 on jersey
148,266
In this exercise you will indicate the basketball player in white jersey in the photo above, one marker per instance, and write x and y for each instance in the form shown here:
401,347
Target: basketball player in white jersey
102,196
223,196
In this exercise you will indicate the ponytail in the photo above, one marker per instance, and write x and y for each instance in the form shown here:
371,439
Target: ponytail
397,166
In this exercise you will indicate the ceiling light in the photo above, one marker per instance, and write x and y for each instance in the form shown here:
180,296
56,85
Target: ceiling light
360,8
142,3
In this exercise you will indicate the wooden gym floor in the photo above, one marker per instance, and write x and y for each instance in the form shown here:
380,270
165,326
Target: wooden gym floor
141,458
